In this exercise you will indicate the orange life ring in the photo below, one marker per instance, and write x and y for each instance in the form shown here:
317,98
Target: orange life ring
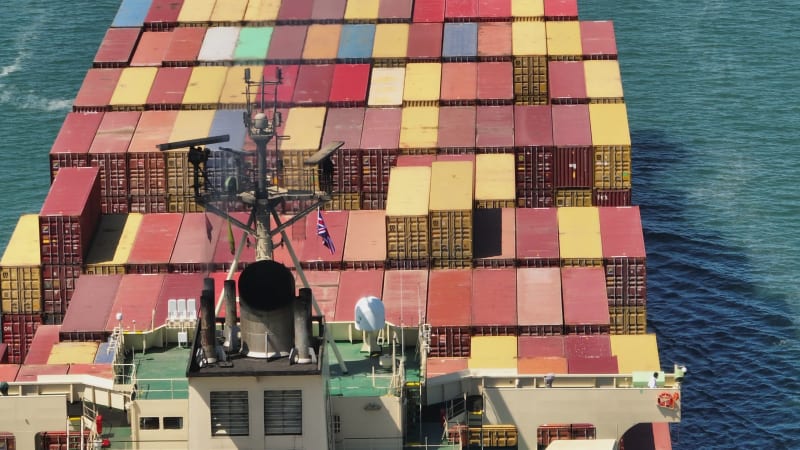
676,396
665,400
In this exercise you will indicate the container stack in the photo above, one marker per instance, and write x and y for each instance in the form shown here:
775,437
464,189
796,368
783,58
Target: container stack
450,214
407,208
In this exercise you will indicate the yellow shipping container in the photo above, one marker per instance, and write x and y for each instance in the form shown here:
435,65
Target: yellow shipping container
322,42
527,8
609,123
20,271
260,11
204,88
603,79
528,39
133,88
386,86
228,11
296,175
495,178
579,235
451,186
422,84
391,40
73,353
419,127
451,211
564,40
612,167
628,319
196,11
112,244
191,125
361,11
636,353
232,94
573,197
493,352
407,235
304,128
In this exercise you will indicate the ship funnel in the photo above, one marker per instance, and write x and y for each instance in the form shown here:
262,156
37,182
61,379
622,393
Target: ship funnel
208,331
266,297
302,326
231,328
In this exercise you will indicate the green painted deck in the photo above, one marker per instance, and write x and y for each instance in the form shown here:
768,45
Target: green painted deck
161,373
365,377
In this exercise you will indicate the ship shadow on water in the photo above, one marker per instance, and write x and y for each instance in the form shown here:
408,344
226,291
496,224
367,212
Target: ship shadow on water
739,342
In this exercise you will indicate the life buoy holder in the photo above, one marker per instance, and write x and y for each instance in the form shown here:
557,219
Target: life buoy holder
666,400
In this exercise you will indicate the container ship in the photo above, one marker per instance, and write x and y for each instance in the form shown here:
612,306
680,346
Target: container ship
338,224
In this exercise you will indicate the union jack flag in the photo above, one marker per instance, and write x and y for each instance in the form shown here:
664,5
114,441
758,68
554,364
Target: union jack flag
322,231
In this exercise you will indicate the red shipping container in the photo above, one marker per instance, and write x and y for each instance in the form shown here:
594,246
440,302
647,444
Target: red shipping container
146,165
540,346
315,255
325,290
602,365
574,167
295,11
429,11
459,83
346,170
585,300
571,126
460,10
560,9
494,9
117,47
537,198
3,360
450,342
537,237
494,302
415,160
313,87
90,308
495,83
381,128
58,285
136,300
612,197
184,46
534,170
594,346
31,372
148,204
69,215
373,200
329,11
286,44
365,242
494,39
71,146
168,88
443,366
405,294
153,245
539,302
96,91
285,90
624,256
567,82
177,286
533,126
7,372
598,40
18,332
353,285
108,152
450,298
494,241
457,127
349,85
344,125
163,14
494,128
226,249
196,242
392,11
42,344
424,41
151,48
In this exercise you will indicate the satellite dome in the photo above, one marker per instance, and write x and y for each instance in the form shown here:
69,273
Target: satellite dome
370,314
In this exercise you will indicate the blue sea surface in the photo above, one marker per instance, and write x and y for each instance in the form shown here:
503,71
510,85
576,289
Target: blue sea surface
712,96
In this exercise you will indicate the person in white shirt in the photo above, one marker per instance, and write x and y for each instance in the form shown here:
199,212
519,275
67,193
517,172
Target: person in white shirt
653,381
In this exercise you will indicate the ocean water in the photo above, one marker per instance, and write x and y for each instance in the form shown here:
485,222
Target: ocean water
713,107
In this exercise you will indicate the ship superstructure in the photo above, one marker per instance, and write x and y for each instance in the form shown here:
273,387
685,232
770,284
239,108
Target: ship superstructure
238,178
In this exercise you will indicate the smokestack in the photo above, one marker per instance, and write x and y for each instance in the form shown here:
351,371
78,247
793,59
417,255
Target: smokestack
231,329
266,298
302,326
208,329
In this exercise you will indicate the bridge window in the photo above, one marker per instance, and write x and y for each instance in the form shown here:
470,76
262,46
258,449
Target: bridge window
148,423
230,415
173,423
283,412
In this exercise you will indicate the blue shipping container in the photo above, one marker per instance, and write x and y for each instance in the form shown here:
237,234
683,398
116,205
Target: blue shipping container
460,41
356,41
105,354
131,13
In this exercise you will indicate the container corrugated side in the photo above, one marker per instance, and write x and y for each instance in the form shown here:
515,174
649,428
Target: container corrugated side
151,48
354,285
90,308
232,93
405,294
322,42
18,332
204,88
460,41
20,270
459,84
424,41
494,243
117,47
539,301
598,40
185,46
356,42
579,236
612,146
96,91
195,243
154,243
528,39
218,46
229,12
73,353
603,81
71,146
313,84
43,341
261,11
419,129
131,13
527,9
493,352
133,88
319,257
422,83
585,301
494,302
361,11
136,299
365,242
253,44
58,285
451,209
564,40
386,86
304,128
112,244
636,353
407,233
196,12
495,185
391,43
